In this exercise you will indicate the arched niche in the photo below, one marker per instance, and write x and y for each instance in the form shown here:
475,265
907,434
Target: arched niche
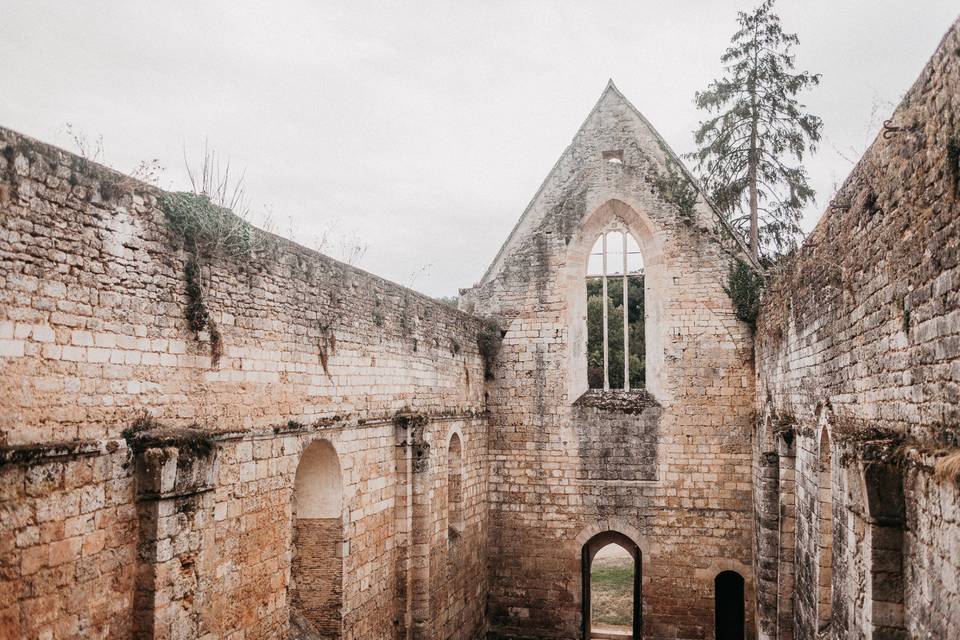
607,215
455,522
318,489
316,573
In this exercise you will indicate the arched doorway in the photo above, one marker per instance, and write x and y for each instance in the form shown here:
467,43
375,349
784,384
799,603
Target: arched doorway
603,570
728,606
316,584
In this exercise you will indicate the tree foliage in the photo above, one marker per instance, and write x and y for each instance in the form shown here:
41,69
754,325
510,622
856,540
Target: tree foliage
635,329
750,150
744,286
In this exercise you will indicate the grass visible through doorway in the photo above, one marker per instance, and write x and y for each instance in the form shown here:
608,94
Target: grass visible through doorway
611,589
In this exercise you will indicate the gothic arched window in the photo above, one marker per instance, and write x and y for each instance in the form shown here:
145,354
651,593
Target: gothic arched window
616,353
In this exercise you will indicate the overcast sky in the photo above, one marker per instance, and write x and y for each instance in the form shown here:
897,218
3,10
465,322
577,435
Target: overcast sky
423,128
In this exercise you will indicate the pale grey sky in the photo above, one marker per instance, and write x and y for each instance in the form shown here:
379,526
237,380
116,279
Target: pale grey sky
424,128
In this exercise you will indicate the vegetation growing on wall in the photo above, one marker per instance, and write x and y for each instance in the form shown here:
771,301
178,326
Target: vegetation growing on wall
377,311
143,422
635,331
744,286
676,189
146,431
197,314
327,345
208,228
489,339
953,162
206,220
948,467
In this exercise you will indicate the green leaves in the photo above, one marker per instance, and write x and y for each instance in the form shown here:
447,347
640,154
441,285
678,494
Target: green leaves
751,148
744,286
675,188
635,332
207,227
489,339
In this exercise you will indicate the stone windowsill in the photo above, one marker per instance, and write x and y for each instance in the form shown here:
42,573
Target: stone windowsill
633,401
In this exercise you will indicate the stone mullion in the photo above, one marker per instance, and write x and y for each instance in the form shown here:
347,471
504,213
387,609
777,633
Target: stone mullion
606,337
626,318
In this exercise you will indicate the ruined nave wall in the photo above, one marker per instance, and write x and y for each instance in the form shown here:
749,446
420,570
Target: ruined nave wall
859,335
190,534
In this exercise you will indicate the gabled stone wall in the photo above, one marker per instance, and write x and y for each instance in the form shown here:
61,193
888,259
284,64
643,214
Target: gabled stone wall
671,473
859,336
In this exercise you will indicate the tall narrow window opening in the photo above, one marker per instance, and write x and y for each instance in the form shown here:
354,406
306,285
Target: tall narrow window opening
616,350
454,489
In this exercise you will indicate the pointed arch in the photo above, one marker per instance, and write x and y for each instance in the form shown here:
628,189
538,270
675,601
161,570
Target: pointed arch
609,215
615,313
454,488
587,555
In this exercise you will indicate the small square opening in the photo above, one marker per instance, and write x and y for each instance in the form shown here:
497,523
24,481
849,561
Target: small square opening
613,156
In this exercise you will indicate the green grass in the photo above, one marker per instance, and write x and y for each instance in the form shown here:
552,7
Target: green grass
611,592
612,578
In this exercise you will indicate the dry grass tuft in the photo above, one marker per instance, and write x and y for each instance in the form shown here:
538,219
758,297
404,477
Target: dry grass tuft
948,467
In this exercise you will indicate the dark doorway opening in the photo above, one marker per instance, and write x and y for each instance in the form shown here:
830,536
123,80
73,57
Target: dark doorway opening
728,605
633,628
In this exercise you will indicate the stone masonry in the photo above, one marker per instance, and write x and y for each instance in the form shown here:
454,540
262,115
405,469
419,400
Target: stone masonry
337,456
858,349
674,475
107,536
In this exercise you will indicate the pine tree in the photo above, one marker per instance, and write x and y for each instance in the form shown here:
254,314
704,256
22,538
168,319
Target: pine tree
750,151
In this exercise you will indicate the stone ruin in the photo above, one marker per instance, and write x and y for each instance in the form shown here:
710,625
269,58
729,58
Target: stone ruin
275,444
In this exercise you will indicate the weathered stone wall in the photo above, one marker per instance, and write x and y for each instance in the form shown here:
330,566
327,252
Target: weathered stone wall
68,541
317,567
671,473
147,474
94,323
93,335
859,336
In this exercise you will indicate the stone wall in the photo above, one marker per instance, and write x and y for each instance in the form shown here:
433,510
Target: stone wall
859,338
182,530
668,468
68,541
148,472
